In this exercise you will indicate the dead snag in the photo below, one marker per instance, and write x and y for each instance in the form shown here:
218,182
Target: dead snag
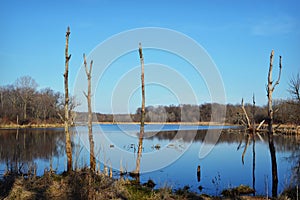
270,90
90,117
66,120
140,147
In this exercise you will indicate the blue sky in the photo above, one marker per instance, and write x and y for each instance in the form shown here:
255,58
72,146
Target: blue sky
238,35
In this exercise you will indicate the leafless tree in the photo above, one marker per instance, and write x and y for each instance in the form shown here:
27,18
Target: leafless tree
66,119
140,147
90,117
294,89
26,87
270,90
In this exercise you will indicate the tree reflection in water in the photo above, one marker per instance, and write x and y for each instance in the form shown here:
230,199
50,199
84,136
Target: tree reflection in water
24,148
19,149
274,166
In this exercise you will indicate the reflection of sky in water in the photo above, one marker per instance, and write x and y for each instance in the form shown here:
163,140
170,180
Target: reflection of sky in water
224,160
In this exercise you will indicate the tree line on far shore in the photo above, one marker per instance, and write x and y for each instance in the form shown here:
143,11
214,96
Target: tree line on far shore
286,113
22,102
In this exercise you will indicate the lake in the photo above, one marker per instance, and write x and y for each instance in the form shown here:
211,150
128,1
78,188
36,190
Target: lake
170,157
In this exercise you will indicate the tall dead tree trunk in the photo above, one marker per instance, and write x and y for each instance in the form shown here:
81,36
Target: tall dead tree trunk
253,116
270,91
140,147
66,120
253,143
90,117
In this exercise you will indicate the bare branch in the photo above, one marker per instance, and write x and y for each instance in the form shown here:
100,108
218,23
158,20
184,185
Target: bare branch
246,115
270,69
85,94
87,71
244,123
261,123
60,116
280,67
91,65
85,65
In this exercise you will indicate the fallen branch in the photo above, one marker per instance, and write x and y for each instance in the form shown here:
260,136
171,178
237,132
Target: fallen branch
246,115
261,123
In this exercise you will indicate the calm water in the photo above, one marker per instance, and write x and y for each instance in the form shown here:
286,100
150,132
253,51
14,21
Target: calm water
171,154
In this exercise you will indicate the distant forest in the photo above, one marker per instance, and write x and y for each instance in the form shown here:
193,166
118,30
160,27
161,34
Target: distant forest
23,102
285,113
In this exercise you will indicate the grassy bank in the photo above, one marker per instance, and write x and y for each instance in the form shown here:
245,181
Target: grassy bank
87,185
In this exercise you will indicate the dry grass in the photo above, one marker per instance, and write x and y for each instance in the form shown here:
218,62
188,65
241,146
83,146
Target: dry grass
83,185
76,185
87,185
13,126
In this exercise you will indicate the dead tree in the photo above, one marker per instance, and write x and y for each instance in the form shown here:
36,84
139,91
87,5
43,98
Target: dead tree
270,91
251,127
90,117
66,119
140,147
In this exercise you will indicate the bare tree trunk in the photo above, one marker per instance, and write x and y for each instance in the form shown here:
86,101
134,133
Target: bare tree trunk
140,147
270,90
253,115
90,117
25,110
253,147
68,137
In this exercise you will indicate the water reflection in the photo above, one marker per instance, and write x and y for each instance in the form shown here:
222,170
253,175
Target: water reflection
28,147
274,166
21,148
253,164
198,173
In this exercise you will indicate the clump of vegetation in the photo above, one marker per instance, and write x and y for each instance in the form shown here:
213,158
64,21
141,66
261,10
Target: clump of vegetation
74,185
237,191
85,184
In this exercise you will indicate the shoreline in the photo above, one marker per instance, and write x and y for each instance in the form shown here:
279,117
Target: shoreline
16,126
280,128
61,125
